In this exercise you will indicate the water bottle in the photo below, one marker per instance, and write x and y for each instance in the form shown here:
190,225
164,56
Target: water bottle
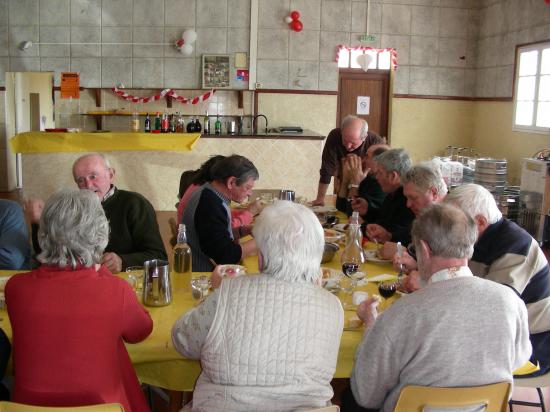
182,252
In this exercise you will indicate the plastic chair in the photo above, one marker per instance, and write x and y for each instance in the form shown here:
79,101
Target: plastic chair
537,382
18,407
417,398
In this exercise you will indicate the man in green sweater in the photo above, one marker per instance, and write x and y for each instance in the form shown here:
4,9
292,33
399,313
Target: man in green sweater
134,236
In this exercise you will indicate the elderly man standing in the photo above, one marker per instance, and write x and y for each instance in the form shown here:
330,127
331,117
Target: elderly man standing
507,254
458,330
267,342
208,216
395,218
134,233
353,137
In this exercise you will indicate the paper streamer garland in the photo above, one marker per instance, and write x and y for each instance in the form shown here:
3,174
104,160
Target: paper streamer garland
166,92
393,52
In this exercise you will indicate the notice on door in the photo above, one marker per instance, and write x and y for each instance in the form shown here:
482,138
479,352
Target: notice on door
70,85
363,104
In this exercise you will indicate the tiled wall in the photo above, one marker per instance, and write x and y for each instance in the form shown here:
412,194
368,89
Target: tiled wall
222,27
430,36
445,47
503,25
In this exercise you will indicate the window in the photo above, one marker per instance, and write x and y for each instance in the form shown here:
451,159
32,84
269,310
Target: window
381,59
532,94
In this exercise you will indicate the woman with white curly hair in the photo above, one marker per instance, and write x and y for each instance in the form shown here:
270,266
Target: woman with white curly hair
71,316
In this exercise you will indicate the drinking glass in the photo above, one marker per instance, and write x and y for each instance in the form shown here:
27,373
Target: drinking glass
135,278
200,287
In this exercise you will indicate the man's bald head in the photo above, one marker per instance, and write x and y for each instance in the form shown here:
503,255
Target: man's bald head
93,172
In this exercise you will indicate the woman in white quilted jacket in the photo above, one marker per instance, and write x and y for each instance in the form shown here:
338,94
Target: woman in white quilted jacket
267,342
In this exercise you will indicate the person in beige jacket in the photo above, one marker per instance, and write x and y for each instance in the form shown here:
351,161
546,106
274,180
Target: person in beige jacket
269,341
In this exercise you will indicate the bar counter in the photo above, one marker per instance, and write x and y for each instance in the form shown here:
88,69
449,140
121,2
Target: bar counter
151,164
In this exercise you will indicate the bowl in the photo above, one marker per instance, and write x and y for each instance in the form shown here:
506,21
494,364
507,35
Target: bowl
329,252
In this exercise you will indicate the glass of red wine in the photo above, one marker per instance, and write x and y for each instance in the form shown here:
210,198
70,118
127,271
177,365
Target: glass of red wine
387,289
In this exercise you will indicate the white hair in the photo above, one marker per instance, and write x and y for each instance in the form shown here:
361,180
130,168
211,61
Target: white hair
476,201
425,176
364,125
73,229
291,242
100,155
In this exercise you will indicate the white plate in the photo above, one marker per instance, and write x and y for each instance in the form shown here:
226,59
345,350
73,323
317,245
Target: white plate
340,227
323,209
371,256
382,278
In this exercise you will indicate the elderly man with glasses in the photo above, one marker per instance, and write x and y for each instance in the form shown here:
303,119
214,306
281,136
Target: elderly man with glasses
458,330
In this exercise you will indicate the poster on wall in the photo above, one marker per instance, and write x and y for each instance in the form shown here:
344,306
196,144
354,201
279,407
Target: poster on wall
70,85
363,105
215,71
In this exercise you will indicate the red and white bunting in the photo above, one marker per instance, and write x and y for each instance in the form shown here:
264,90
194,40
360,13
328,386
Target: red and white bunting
393,52
165,92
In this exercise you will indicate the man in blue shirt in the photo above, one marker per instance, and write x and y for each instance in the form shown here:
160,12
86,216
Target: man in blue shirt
14,237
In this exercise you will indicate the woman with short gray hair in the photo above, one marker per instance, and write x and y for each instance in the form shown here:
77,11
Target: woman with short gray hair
269,341
71,316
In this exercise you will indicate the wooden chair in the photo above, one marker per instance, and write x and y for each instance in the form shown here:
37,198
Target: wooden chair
417,398
333,408
18,407
537,382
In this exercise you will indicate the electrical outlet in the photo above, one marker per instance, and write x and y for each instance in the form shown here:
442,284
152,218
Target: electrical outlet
258,85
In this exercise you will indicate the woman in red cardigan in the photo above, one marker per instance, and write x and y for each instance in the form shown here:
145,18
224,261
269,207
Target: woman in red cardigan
71,317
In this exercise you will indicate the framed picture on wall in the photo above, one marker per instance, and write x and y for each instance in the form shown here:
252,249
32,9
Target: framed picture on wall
215,71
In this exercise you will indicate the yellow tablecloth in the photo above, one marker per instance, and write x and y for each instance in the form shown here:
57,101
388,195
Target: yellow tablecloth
44,142
157,362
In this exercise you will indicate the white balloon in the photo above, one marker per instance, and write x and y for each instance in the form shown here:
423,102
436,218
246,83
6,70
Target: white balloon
189,36
186,49
288,19
364,61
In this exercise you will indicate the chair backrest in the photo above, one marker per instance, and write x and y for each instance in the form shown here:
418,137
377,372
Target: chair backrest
417,398
18,407
333,408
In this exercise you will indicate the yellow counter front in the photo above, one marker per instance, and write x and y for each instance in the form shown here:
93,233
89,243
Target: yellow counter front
44,142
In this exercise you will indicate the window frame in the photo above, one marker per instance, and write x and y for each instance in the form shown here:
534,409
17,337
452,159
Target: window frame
522,48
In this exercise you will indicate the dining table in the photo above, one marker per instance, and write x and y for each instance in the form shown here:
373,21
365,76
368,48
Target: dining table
156,361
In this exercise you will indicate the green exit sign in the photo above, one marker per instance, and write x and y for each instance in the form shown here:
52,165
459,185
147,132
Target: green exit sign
368,38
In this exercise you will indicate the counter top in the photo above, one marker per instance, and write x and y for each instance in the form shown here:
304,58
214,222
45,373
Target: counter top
305,135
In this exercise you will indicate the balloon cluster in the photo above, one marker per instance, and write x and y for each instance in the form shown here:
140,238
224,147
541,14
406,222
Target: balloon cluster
294,21
185,44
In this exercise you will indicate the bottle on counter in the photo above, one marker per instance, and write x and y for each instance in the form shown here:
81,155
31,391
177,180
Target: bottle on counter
173,123
198,126
134,123
218,125
147,127
165,123
158,122
180,126
206,124
191,126
182,252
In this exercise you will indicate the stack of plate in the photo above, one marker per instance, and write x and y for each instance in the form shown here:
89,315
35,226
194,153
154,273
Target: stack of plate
491,174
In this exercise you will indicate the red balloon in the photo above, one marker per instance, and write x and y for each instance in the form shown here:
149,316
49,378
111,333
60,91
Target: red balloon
297,25
295,15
